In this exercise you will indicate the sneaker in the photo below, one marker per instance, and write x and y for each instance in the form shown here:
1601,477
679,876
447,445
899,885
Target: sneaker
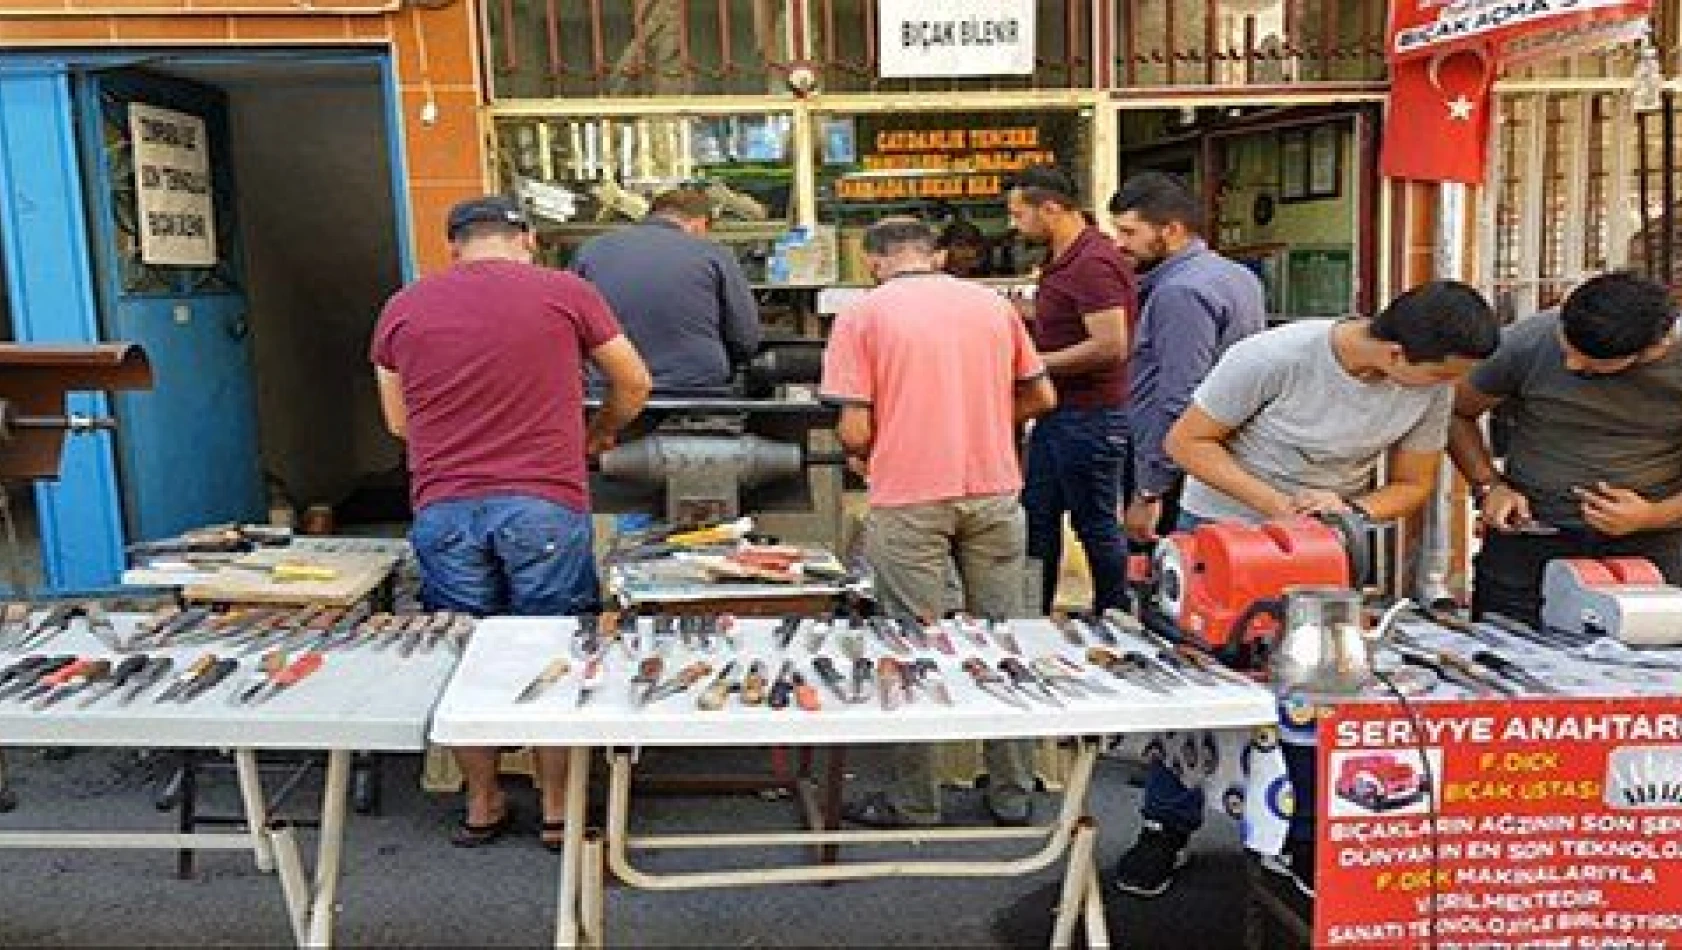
1296,863
1148,867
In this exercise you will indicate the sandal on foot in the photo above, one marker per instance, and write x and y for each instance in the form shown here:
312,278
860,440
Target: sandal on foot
470,835
553,835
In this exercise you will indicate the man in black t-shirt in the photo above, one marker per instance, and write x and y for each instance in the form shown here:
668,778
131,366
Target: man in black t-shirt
1589,399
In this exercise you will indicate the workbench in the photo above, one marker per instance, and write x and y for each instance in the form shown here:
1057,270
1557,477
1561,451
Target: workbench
477,709
360,699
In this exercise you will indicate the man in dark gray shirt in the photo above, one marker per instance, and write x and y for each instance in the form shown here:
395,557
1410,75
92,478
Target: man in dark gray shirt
1194,303
1590,401
682,299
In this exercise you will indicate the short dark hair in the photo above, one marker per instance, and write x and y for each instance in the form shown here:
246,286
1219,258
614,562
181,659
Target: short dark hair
1159,198
1042,184
1439,319
892,235
686,202
1617,315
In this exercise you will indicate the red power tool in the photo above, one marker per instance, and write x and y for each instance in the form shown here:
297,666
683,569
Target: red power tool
1223,583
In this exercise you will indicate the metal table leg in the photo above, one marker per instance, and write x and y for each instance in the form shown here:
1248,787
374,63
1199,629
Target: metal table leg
310,903
256,808
572,849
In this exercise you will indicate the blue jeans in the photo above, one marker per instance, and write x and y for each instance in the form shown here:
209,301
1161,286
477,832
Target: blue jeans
506,554
1177,807
1076,459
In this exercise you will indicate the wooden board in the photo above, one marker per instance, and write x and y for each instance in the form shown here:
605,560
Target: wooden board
358,576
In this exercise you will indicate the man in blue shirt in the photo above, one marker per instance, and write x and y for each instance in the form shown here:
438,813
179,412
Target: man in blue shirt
1194,303
682,299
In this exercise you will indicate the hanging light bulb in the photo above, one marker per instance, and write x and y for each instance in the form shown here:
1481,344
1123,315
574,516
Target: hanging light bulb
1647,88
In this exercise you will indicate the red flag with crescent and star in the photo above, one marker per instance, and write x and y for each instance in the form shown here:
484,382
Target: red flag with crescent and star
1437,127
1444,58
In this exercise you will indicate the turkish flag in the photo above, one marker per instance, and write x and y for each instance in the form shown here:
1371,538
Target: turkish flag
1437,124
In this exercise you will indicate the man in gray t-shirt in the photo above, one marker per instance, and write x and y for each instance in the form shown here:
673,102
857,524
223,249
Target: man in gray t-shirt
1589,400
1296,420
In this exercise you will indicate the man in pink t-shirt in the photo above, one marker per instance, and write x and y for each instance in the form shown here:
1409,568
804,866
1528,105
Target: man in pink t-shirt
933,375
481,373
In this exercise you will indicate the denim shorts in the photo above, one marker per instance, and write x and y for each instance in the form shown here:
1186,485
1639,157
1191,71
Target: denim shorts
506,554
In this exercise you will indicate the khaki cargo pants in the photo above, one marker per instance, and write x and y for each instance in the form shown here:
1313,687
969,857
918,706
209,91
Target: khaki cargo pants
914,552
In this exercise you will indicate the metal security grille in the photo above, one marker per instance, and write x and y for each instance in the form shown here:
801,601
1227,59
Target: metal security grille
1221,42
1657,247
1563,198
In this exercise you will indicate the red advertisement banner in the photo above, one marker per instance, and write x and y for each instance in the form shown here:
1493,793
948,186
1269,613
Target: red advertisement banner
1500,826
1427,27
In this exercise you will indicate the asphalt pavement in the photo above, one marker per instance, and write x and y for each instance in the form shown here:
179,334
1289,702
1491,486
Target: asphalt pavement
404,885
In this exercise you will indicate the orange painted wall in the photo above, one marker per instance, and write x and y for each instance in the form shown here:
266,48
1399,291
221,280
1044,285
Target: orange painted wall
434,51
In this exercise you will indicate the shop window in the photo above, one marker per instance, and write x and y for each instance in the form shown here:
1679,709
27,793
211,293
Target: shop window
845,44
1227,42
538,49
950,168
581,176
1283,198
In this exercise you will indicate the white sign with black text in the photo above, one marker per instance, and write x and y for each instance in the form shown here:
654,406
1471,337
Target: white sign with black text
944,38
172,187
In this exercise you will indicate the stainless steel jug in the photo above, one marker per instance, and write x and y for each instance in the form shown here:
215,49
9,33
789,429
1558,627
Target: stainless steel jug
1324,650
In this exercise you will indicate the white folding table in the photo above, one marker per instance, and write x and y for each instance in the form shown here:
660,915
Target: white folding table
478,710
360,700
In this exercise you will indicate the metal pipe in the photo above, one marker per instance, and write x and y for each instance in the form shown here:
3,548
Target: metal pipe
294,883
1077,881
256,810
552,36
1436,545
1328,37
1667,214
572,842
329,846
510,42
594,891
1057,843
1211,39
768,838
127,841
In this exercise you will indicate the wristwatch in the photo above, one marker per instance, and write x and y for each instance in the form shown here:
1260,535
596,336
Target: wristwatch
1148,496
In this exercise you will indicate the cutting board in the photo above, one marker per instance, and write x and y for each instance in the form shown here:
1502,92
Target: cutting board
358,575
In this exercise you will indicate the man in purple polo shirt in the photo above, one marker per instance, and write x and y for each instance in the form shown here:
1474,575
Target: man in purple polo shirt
1083,307
1194,305
481,372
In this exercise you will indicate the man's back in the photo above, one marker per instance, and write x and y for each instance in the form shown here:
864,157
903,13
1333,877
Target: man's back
491,356
682,300
937,359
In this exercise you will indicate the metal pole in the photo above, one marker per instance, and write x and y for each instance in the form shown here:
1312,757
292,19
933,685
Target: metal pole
1436,548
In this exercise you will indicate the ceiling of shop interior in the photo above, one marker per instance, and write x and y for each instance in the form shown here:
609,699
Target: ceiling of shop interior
299,72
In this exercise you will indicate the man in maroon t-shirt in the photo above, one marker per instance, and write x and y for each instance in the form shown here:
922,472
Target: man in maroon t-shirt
481,372
1083,309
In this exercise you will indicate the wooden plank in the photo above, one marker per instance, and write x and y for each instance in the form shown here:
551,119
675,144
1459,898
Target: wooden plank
358,575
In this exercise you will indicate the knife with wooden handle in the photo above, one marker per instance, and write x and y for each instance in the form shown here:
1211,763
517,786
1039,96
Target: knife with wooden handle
547,677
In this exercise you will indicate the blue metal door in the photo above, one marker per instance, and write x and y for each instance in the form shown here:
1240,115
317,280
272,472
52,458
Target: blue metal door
187,450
